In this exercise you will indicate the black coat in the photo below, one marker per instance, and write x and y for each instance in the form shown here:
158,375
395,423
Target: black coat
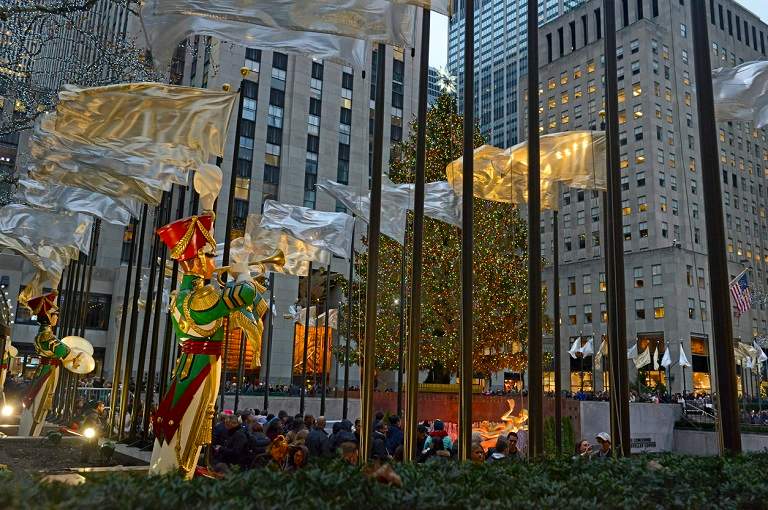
317,442
234,451
380,446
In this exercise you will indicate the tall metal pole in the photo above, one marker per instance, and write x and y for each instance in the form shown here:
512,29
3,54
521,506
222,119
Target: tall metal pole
348,339
230,217
63,303
240,368
136,412
535,340
722,327
368,362
465,363
325,338
168,353
401,344
131,347
615,247
158,310
414,338
306,341
268,353
558,355
74,326
117,370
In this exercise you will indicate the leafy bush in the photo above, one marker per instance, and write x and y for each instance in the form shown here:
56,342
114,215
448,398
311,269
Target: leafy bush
667,481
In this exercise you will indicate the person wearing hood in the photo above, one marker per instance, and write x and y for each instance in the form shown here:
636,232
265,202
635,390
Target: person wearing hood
439,434
500,452
344,435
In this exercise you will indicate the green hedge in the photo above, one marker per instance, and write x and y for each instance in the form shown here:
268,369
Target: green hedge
678,482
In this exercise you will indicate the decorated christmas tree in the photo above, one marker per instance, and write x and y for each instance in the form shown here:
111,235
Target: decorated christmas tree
500,269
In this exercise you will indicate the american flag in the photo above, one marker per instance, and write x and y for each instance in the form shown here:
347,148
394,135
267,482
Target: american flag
742,297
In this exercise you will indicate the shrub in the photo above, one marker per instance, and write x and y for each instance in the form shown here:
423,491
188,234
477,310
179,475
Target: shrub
670,481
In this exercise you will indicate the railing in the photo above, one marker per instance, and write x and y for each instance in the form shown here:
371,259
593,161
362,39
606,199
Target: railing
91,394
698,414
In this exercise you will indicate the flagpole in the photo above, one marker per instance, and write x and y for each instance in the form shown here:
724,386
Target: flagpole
412,342
368,362
347,340
722,327
535,340
325,338
268,352
306,341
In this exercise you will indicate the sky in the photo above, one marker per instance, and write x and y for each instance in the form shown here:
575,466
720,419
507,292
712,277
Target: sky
438,40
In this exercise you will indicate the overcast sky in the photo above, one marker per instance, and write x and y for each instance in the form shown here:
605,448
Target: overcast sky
438,43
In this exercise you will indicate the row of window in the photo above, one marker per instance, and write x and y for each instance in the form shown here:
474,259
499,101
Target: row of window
733,21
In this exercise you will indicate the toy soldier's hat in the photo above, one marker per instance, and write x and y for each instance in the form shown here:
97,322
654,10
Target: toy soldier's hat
44,305
190,237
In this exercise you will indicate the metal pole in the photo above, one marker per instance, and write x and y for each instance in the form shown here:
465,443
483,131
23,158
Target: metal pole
325,337
74,326
230,217
158,310
240,368
414,338
348,339
57,402
368,361
722,327
558,362
401,344
268,353
168,352
306,341
116,371
535,341
131,347
614,254
148,310
465,358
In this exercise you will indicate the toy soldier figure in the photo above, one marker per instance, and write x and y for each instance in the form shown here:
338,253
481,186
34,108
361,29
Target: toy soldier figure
200,312
39,397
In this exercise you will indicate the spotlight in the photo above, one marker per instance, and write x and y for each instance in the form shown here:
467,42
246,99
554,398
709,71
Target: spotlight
89,433
7,410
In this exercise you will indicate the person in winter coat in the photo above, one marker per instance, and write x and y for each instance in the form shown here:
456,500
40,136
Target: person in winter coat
394,434
500,452
439,434
317,440
380,451
234,451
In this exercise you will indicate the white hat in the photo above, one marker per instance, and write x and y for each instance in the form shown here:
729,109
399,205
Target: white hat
604,436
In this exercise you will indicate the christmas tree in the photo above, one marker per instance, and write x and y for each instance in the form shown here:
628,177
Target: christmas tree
500,269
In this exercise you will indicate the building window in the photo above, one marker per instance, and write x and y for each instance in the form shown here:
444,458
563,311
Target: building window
656,275
637,277
691,308
572,315
571,285
586,284
587,314
658,308
639,309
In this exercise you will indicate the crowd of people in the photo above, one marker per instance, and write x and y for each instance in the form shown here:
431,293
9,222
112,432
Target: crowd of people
251,440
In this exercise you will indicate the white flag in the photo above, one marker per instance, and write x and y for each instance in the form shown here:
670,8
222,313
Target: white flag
588,349
683,358
603,351
575,348
740,93
330,231
643,359
632,352
761,356
666,361
656,358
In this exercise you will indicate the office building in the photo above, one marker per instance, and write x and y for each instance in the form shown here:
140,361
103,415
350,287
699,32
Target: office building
665,246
